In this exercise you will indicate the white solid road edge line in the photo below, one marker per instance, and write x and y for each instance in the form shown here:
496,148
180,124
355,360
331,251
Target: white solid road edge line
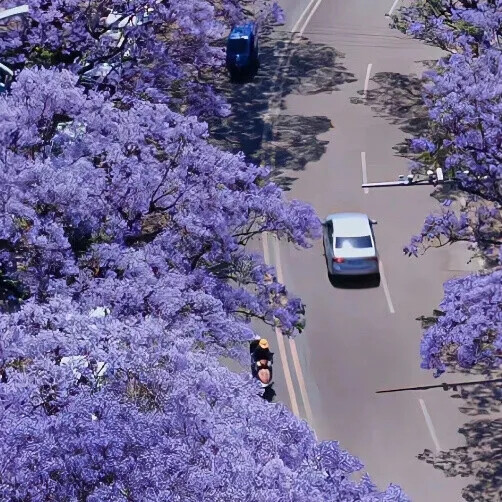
274,109
386,288
367,80
287,372
280,342
312,12
295,27
294,352
301,382
430,426
391,10
266,255
365,174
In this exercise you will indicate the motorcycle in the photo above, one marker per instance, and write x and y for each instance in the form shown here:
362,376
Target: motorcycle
261,366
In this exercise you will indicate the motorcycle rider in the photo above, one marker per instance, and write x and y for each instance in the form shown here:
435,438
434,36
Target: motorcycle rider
262,358
262,351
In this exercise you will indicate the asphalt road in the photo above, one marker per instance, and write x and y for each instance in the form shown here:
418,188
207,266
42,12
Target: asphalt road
361,340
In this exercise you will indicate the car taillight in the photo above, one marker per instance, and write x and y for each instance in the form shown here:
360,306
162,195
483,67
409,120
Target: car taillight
338,260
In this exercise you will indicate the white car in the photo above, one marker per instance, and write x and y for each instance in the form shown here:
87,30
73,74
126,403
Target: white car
349,244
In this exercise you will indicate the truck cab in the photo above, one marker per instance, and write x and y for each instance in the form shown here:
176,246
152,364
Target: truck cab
242,49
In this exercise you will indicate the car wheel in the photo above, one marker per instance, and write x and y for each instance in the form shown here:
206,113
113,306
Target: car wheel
375,279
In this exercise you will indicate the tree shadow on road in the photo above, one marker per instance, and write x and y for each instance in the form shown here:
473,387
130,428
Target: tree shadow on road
303,68
481,457
444,193
398,99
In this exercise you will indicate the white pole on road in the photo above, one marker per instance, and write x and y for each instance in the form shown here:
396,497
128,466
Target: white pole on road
365,174
430,425
367,80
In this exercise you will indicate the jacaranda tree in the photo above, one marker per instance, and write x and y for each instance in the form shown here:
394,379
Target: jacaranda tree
162,421
464,96
453,25
166,52
469,330
123,246
83,172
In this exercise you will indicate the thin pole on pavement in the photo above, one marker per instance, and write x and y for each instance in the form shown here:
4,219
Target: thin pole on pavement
444,386
433,178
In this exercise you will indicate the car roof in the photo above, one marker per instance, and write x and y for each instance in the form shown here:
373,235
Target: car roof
350,224
242,31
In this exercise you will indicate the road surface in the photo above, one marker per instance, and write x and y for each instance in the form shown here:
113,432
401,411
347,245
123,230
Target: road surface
358,341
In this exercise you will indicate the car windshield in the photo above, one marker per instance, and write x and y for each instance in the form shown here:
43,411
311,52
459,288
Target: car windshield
237,45
353,242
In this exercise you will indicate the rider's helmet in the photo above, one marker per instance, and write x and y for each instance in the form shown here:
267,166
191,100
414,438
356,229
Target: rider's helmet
263,343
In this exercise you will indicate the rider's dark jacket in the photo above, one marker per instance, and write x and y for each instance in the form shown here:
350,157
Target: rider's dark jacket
259,354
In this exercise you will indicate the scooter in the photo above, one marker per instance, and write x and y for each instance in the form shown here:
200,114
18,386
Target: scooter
261,366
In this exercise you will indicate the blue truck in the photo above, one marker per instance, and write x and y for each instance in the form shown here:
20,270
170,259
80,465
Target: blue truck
242,49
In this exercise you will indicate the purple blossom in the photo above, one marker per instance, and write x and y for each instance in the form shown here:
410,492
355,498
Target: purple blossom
416,29
127,233
464,99
422,145
179,37
453,26
277,13
163,410
470,329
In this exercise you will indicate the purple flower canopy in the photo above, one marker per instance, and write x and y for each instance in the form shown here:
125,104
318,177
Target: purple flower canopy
164,419
143,176
127,277
464,97
164,51
470,330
